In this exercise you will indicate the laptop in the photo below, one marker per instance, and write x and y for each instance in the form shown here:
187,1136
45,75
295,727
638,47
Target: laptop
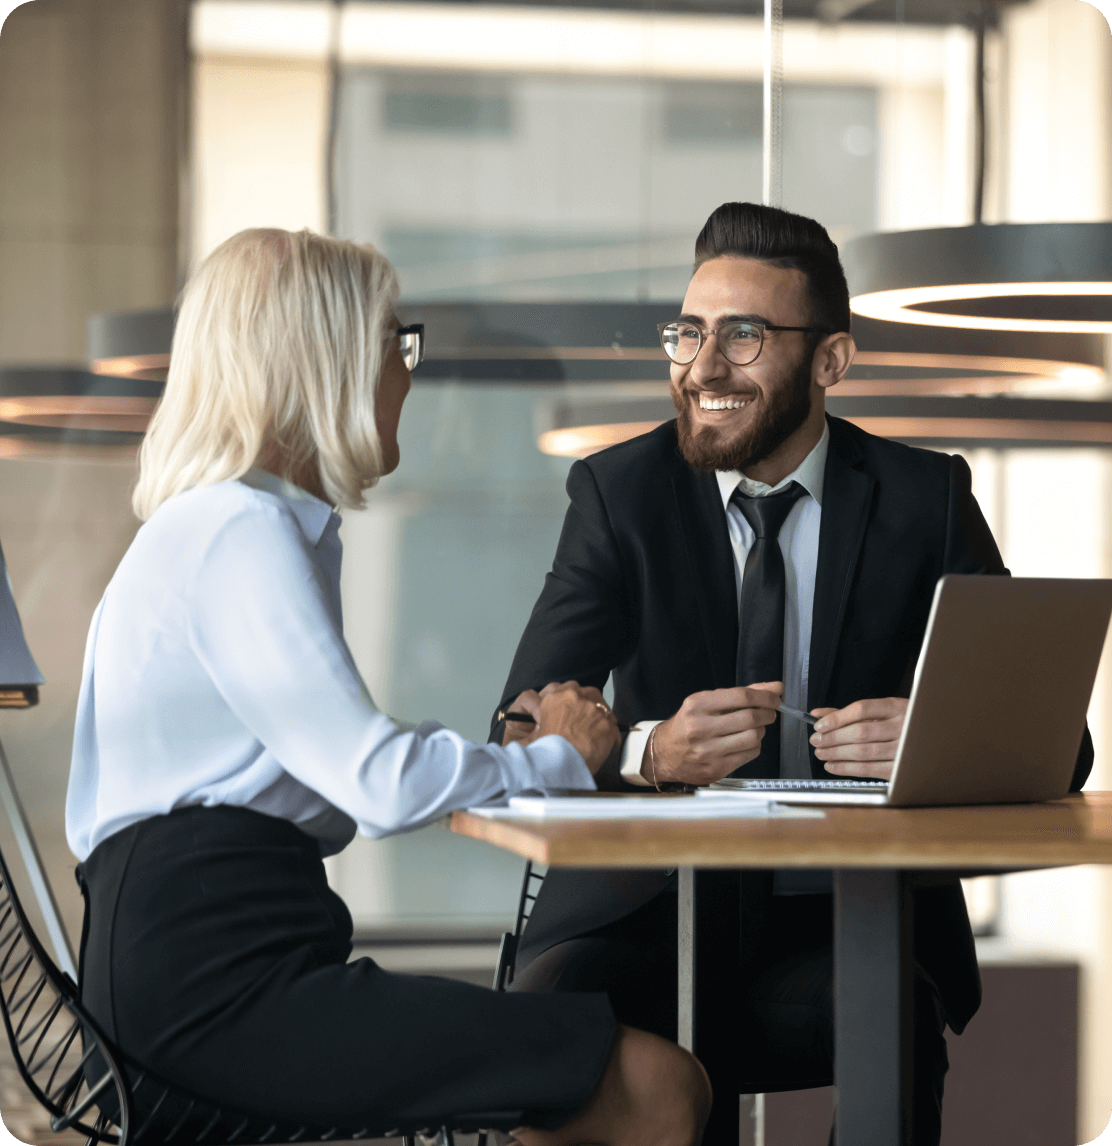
998,703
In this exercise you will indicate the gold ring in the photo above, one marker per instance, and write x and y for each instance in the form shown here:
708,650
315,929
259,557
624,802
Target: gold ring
605,707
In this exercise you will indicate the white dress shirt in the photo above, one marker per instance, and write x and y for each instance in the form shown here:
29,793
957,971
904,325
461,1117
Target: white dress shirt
216,672
799,542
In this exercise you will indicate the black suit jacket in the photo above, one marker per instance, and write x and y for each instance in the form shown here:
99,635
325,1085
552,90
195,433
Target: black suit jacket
643,587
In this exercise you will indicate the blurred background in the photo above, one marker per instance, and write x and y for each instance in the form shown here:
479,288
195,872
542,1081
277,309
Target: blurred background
538,174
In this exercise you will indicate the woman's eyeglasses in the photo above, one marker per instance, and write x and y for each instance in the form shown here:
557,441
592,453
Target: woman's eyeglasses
740,342
412,344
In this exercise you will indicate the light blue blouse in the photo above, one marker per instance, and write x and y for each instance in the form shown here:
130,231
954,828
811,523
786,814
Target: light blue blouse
216,672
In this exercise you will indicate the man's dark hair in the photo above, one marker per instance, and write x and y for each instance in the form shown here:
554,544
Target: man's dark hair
753,231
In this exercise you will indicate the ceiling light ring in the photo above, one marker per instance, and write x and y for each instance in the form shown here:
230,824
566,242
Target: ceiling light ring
891,273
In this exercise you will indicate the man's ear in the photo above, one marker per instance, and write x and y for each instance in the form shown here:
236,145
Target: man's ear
832,359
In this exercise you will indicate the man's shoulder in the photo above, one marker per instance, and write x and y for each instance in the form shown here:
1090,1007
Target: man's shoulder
885,459
647,456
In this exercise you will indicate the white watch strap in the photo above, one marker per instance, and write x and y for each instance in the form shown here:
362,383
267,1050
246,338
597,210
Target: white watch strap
634,750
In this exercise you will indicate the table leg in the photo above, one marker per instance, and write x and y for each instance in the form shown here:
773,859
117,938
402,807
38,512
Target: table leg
872,1007
710,994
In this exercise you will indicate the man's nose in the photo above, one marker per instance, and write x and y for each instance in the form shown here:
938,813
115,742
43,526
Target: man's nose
710,364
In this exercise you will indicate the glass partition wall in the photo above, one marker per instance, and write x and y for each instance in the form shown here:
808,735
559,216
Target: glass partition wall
571,187
538,175
544,189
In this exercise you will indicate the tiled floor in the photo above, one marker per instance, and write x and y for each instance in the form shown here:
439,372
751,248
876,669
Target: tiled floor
22,1115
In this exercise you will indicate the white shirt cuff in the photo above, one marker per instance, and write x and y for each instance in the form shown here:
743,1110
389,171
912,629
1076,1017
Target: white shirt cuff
634,750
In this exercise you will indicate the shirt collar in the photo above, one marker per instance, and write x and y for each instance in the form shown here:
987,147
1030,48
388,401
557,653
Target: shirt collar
809,473
312,514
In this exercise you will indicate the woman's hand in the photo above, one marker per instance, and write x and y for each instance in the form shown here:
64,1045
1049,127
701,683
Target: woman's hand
581,717
518,732
578,714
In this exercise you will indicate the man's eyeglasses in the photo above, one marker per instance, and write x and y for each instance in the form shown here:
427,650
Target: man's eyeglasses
412,344
740,342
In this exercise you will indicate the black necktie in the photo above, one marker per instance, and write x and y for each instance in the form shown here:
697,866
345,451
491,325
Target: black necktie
760,646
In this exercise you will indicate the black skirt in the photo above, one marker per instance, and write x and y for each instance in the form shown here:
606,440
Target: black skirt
215,954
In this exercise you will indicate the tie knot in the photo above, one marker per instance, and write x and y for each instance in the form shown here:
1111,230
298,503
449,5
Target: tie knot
766,515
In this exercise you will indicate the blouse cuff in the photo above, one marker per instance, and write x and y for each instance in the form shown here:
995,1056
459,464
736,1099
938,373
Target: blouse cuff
556,764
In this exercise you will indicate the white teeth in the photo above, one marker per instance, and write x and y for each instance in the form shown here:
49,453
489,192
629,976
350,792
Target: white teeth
720,403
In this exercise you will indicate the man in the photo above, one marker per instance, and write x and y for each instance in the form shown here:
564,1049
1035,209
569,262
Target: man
753,550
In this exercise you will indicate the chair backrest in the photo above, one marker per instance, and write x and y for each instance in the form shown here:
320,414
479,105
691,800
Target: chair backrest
53,1042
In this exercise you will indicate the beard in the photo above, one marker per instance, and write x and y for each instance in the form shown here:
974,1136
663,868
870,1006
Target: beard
711,448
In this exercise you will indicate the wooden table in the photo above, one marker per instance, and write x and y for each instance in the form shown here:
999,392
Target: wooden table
878,855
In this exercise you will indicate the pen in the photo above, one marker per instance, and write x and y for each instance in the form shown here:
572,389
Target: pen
525,718
786,709
806,717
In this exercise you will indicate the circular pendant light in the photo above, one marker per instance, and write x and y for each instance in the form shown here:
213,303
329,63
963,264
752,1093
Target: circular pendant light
1047,277
44,410
132,344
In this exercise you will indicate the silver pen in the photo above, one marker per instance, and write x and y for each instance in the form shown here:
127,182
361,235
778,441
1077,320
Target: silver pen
806,717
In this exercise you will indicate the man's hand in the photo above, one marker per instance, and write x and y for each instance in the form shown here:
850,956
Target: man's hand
713,734
860,739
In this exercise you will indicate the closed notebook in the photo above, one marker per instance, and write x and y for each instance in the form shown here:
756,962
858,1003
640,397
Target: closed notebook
19,675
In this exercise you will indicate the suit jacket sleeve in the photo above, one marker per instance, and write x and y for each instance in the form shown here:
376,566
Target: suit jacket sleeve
581,625
970,548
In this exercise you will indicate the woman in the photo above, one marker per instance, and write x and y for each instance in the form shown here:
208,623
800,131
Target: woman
225,743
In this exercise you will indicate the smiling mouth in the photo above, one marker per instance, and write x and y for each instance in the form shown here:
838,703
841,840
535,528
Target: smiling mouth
706,402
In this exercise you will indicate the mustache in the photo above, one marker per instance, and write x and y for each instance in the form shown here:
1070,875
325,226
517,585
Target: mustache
696,392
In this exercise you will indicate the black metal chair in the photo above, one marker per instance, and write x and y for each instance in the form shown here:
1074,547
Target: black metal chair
507,952
87,1084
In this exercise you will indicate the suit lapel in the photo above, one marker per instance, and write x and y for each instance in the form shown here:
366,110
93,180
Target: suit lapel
846,498
707,540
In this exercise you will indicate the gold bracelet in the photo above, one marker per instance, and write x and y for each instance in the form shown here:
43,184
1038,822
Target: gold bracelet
652,757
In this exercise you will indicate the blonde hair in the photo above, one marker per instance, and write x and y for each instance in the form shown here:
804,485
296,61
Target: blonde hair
280,337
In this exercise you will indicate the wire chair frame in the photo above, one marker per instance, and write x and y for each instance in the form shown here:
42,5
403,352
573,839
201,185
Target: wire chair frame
87,1084
51,1037
507,951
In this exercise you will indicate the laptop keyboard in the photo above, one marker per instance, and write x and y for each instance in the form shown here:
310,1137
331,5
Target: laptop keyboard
803,785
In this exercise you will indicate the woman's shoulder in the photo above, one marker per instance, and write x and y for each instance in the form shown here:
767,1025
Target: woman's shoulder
199,524
209,509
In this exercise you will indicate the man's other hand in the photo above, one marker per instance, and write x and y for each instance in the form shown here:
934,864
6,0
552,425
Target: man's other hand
713,734
860,740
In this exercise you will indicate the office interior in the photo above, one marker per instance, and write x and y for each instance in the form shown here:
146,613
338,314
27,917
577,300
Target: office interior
537,173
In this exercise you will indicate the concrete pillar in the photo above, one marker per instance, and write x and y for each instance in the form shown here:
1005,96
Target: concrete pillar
92,123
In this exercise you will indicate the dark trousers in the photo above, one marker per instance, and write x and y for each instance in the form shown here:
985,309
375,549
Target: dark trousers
787,1024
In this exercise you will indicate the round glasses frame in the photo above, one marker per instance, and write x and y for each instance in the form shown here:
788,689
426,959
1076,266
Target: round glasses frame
412,344
740,342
